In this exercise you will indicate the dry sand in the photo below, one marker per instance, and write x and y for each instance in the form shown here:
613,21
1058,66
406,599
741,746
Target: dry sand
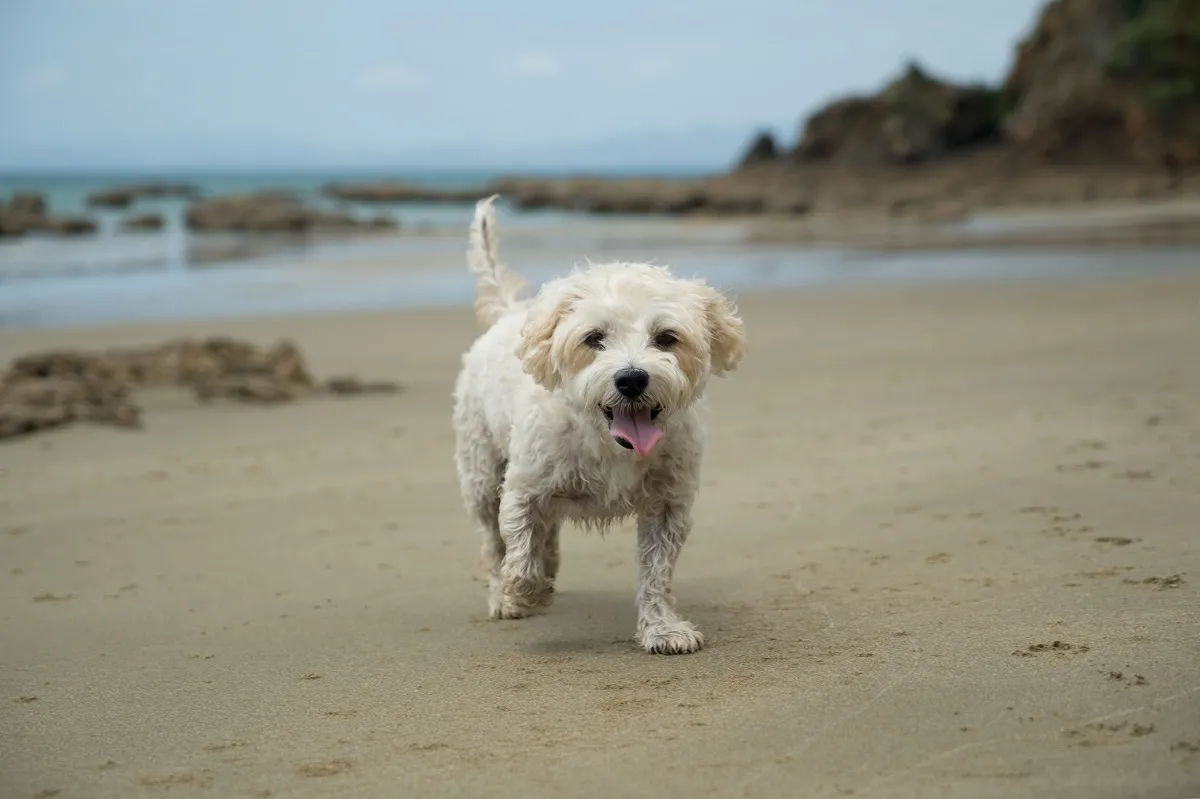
948,545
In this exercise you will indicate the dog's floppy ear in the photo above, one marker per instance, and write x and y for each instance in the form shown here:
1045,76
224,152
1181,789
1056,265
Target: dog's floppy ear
537,337
726,332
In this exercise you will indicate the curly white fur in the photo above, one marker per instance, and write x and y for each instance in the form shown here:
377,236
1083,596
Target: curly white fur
534,410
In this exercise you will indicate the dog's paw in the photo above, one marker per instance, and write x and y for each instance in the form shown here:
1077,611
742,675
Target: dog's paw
677,637
503,607
538,593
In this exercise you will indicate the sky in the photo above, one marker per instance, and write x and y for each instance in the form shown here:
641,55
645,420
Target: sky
246,84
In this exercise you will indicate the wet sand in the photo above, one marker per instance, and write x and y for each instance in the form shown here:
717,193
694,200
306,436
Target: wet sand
946,546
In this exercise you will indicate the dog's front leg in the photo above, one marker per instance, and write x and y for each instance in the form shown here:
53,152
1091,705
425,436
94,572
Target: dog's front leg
662,531
524,585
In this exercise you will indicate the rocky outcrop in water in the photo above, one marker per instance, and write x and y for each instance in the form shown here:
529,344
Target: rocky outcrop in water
68,225
260,212
393,192
15,221
26,212
45,390
31,203
381,223
125,195
144,222
640,196
273,212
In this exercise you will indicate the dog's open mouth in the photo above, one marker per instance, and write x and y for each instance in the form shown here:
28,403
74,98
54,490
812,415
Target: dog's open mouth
632,426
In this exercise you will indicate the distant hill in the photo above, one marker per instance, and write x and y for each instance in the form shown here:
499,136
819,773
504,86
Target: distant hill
1095,82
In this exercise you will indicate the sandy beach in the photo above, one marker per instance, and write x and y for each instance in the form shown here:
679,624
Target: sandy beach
946,546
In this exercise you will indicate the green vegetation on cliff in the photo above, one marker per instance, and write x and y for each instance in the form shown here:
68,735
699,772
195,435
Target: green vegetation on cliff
1157,51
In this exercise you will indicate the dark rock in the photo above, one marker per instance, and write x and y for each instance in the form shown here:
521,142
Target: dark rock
606,196
246,388
262,212
111,199
272,212
382,223
123,196
976,117
147,221
531,194
915,119
18,420
391,192
354,386
762,150
67,225
32,203
17,223
716,197
30,403
24,212
826,131
57,387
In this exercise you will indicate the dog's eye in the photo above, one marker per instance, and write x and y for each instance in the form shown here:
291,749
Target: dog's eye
595,340
666,339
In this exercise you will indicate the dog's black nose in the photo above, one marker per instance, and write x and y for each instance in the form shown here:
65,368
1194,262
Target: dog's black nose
631,382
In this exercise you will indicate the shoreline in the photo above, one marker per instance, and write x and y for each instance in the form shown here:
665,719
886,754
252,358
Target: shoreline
284,292
407,271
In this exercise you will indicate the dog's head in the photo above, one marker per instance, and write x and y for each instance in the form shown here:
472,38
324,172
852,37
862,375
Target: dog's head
630,344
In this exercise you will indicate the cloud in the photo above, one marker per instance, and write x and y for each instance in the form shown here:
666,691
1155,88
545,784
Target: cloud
388,78
42,79
535,64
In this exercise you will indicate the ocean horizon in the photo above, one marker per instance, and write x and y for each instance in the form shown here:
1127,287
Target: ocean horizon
67,190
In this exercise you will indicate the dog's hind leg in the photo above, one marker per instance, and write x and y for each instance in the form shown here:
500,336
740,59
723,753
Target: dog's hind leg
481,474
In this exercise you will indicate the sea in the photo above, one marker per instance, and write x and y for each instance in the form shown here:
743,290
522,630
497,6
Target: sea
119,276
172,247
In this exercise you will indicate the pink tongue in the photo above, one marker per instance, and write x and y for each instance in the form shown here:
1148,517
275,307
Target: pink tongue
636,428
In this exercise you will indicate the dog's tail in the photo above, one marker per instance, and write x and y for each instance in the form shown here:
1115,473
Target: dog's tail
497,288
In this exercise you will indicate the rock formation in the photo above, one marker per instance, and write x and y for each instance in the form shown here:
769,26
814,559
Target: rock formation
1098,82
50,389
916,119
124,196
146,221
1109,81
392,192
26,212
273,212
762,150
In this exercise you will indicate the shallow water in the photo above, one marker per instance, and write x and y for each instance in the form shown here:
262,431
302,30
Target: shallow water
119,276
113,248
282,286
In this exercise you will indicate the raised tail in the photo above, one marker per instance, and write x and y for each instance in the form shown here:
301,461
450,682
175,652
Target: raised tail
497,288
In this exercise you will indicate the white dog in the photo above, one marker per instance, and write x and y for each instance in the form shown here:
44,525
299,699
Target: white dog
581,404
